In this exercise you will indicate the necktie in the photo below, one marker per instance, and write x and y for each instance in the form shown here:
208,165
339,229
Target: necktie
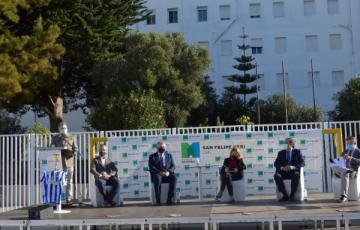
161,161
288,155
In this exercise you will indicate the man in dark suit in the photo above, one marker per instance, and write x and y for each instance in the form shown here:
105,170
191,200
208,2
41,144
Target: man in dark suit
288,164
352,160
105,173
162,167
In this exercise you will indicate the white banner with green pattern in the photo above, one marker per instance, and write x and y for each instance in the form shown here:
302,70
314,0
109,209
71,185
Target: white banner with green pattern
131,154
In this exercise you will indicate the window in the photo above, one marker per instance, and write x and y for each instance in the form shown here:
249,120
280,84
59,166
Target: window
151,19
278,9
173,15
280,80
316,79
256,45
311,43
226,48
204,44
280,45
338,78
255,10
225,12
335,41
309,7
333,6
202,13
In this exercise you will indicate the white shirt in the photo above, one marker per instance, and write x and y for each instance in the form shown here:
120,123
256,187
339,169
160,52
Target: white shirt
103,161
163,157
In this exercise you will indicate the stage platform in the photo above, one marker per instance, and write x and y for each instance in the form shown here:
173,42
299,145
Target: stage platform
319,209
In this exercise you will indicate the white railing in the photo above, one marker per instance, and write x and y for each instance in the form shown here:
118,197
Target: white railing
19,175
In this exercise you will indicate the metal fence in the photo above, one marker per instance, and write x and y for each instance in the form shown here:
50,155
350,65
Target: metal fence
19,179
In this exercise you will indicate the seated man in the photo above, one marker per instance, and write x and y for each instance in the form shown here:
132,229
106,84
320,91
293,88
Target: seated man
352,161
162,166
105,174
288,164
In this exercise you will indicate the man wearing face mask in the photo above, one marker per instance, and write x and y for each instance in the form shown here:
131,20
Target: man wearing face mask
288,164
105,173
68,144
162,167
351,156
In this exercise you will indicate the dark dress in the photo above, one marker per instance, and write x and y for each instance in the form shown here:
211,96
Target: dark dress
231,163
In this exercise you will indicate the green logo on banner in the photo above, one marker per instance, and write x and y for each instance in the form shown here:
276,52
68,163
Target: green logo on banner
116,162
123,139
145,154
125,170
227,136
218,158
249,135
186,167
164,138
249,166
144,139
270,166
270,150
135,177
249,181
259,142
260,158
177,175
302,142
145,168
270,134
248,150
206,137
271,181
260,188
292,134
208,182
281,142
136,192
196,174
188,151
114,148
146,184
125,185
134,147
260,173
207,167
197,189
154,145
187,182
44,162
185,137
135,162
124,155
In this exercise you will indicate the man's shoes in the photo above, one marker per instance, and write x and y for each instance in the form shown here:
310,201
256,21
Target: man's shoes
113,204
342,199
217,198
284,198
169,202
292,197
158,204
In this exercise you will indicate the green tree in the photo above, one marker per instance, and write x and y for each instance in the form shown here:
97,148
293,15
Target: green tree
38,128
139,110
230,108
245,79
205,114
348,102
170,67
9,123
92,33
273,110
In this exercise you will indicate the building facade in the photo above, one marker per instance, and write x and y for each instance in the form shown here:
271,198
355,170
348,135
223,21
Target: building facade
293,31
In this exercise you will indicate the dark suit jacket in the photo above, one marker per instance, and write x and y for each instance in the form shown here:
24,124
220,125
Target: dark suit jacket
155,166
97,168
240,166
297,160
355,160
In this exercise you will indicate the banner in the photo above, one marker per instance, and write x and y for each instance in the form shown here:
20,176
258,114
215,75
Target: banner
131,154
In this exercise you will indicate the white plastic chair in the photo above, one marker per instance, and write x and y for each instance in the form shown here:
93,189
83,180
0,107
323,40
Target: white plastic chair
238,189
164,193
301,191
354,187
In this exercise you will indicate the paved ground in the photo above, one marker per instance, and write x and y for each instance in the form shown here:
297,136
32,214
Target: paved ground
256,207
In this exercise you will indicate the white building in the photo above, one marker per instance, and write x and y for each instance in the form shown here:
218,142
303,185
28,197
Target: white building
295,31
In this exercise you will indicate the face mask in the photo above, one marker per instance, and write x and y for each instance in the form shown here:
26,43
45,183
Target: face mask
350,146
63,130
161,150
102,154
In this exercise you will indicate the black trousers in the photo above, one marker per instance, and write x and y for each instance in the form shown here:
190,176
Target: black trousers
294,176
157,180
101,184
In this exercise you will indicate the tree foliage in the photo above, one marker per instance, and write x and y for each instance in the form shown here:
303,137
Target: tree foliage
9,123
139,110
348,102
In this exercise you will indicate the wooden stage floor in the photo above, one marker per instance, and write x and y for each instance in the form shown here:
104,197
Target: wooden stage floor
254,208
